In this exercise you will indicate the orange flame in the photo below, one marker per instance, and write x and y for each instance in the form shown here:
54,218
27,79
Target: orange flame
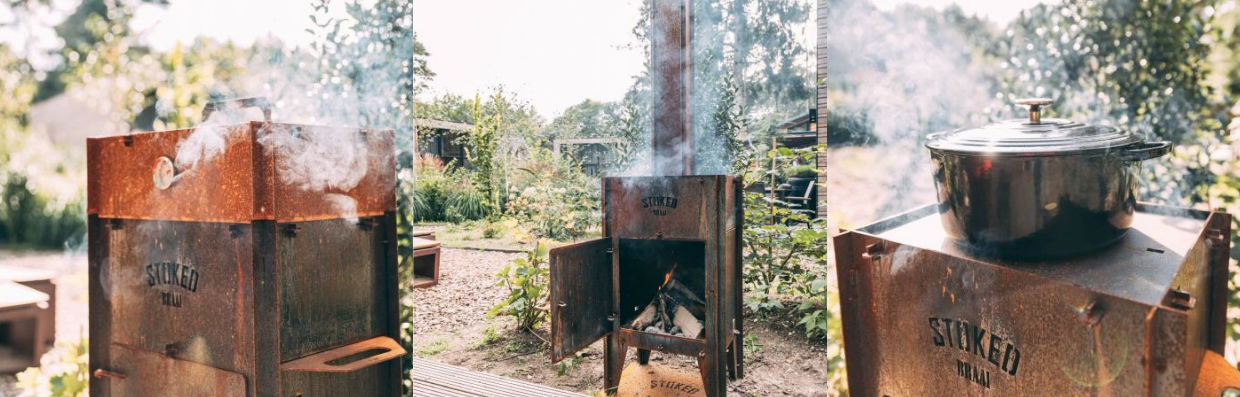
667,277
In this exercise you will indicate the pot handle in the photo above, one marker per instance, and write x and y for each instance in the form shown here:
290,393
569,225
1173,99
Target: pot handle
254,102
1146,151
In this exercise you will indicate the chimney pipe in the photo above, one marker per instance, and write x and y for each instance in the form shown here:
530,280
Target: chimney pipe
671,132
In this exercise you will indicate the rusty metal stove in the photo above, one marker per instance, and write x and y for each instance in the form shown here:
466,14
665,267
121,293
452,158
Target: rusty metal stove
1145,317
599,286
651,225
227,281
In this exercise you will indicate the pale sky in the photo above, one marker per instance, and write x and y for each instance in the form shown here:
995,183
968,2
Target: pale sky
552,53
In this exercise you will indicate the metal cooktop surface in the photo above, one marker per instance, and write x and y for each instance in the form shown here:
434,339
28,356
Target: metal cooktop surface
1147,258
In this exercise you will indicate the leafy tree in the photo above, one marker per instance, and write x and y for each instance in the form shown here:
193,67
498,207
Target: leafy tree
587,119
751,44
1140,65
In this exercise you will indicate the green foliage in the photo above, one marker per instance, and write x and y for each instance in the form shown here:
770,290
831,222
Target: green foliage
1140,65
447,107
489,336
483,143
526,280
567,365
445,194
550,198
64,371
801,171
433,347
785,251
34,219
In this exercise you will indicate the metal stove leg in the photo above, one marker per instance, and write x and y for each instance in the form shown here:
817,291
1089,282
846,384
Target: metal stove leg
643,356
613,363
709,369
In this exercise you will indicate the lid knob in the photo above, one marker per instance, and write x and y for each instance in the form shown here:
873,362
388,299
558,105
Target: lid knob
1035,108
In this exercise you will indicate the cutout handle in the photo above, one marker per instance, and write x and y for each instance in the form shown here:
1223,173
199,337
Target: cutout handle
339,360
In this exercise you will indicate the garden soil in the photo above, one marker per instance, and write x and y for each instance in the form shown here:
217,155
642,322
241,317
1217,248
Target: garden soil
451,327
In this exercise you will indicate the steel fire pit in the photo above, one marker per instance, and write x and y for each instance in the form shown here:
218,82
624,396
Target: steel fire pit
226,280
1144,317
652,225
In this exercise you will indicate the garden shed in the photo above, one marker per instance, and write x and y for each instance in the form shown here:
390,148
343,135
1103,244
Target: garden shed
441,140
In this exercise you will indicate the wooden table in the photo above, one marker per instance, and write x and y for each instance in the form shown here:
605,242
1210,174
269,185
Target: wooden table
425,263
23,307
432,379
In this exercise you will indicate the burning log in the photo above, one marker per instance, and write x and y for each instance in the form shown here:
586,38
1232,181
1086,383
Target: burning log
675,310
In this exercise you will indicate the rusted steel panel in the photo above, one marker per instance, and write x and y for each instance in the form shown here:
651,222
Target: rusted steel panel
327,306
139,373
263,171
374,380
665,343
581,296
671,80
1106,323
297,196
100,309
121,169
181,288
661,207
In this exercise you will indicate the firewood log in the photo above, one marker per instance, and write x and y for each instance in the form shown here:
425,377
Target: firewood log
687,323
685,291
645,318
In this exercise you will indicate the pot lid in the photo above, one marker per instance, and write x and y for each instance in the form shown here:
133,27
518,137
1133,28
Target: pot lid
1034,135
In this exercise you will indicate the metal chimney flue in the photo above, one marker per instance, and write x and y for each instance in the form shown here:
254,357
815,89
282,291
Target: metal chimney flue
671,132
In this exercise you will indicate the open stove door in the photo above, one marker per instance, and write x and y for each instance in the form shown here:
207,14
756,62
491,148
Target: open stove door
582,296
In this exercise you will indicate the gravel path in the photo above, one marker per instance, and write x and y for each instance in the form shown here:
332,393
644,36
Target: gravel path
467,289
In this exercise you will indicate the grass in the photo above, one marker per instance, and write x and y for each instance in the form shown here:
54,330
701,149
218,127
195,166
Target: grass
433,347
489,336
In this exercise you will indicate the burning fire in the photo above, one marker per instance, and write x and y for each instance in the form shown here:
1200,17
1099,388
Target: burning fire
667,277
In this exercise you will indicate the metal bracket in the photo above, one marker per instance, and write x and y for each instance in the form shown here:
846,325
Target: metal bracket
1180,299
874,251
367,224
290,229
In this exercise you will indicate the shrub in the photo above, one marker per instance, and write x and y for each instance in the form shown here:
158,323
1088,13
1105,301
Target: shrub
802,171
64,371
463,202
526,280
445,193
551,198
782,261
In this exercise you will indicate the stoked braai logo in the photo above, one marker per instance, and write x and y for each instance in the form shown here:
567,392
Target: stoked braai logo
974,340
659,204
171,278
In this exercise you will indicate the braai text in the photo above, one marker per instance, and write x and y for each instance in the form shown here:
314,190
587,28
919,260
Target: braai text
973,339
972,373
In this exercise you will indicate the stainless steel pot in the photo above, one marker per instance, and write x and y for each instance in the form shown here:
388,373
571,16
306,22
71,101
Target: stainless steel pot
1037,188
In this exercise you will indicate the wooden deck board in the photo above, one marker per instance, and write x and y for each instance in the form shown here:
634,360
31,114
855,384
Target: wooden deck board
432,379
